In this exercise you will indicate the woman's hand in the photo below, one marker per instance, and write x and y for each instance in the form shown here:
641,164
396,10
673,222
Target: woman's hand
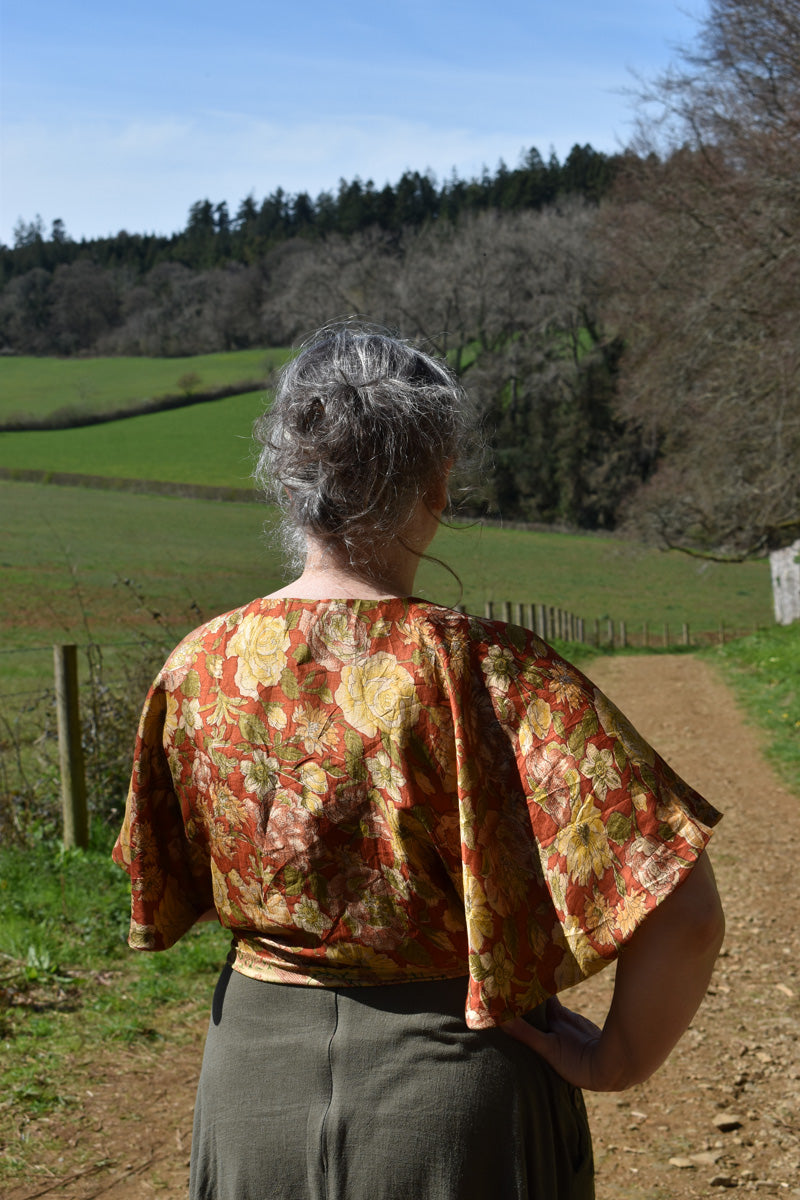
662,976
569,1046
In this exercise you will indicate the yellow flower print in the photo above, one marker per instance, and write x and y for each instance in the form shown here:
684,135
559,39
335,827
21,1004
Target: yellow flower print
387,776
599,917
277,910
171,717
308,916
312,727
378,694
566,685
558,881
227,805
260,774
190,716
313,778
599,767
583,844
631,913
247,893
276,716
479,917
498,667
141,937
539,720
260,643
499,970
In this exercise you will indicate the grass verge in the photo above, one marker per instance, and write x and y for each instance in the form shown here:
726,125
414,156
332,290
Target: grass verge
69,985
764,671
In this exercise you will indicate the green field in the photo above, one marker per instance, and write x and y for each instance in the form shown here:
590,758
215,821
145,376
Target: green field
65,551
207,443
40,386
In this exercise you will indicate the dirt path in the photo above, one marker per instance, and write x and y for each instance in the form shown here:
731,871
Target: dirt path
723,1113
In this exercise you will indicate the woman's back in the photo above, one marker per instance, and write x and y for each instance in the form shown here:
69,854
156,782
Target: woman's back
381,791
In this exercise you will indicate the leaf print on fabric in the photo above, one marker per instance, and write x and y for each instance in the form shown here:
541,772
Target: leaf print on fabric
378,694
584,845
617,725
260,643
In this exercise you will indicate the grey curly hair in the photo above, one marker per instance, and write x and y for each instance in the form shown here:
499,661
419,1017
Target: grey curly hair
363,425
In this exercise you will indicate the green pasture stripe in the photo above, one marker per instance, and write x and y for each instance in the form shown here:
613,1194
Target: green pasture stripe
113,483
40,386
209,443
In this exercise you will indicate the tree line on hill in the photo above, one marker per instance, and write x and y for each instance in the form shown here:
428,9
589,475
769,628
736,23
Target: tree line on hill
626,324
215,237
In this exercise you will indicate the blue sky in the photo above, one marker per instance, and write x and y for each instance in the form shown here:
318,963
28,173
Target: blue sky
120,115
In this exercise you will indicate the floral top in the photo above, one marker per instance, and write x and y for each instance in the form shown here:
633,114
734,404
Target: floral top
381,791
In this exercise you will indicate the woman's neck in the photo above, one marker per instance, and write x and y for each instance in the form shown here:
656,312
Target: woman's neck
325,577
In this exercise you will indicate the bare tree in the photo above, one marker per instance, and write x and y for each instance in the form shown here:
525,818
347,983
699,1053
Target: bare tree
704,243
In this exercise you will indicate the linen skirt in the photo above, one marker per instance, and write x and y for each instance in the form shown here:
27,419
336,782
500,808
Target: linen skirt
378,1093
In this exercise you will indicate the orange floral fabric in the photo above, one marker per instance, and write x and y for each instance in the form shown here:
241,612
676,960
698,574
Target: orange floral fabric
378,791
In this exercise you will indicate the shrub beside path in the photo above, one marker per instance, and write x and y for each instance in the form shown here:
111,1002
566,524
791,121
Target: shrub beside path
724,1111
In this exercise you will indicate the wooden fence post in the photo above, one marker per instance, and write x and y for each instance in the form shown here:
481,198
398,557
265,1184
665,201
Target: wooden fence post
505,612
540,626
70,750
488,610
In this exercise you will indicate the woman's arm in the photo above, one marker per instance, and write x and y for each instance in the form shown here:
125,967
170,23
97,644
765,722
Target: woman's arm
662,976
209,915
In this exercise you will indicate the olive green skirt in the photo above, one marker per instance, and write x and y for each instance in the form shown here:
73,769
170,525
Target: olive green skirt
377,1093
